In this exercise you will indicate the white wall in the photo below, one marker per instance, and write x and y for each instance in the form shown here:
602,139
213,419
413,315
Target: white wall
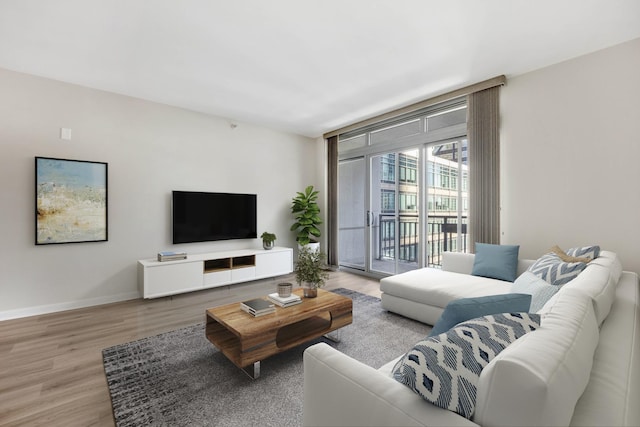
571,155
151,149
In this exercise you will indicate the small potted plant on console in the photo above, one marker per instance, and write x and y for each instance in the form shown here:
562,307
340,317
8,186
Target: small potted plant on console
310,272
268,240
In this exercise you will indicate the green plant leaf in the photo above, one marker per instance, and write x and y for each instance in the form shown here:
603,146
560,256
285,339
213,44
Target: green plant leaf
304,240
309,267
307,214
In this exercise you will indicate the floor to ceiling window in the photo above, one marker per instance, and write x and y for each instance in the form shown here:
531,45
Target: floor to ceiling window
447,199
403,191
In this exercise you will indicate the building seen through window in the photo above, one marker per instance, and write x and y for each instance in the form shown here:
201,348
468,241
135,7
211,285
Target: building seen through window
446,198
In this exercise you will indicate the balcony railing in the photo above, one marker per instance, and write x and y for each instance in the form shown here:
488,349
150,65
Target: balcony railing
442,235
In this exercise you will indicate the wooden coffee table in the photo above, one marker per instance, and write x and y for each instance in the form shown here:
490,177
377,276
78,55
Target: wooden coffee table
246,340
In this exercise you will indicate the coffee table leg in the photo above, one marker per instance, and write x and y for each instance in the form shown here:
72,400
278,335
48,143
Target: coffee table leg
334,336
252,370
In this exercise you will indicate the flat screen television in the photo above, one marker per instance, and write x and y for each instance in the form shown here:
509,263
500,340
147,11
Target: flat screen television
204,217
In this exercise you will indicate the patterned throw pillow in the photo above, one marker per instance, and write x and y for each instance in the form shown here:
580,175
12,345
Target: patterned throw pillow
592,252
567,258
445,369
551,268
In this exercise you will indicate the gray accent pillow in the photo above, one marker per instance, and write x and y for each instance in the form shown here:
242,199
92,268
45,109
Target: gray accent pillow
539,289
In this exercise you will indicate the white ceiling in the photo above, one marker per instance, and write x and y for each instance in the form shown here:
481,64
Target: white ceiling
303,66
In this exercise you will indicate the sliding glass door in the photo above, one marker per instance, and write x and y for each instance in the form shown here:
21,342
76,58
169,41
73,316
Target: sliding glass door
394,212
403,192
393,217
352,227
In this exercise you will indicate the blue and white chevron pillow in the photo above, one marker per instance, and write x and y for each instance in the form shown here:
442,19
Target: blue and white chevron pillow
445,369
552,269
592,252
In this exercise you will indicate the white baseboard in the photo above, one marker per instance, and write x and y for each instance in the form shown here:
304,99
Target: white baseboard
53,308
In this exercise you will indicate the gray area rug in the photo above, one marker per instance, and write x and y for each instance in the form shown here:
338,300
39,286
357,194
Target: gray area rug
180,379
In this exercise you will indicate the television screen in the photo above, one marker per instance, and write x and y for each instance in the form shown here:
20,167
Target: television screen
204,217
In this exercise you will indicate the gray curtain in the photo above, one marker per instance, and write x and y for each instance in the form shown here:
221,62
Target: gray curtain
332,201
484,166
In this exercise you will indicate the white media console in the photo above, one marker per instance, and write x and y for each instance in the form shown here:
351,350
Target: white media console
209,270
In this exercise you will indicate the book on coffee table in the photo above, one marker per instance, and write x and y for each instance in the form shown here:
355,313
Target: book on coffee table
257,307
292,299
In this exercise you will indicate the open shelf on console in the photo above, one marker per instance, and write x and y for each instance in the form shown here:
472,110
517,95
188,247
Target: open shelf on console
212,265
243,261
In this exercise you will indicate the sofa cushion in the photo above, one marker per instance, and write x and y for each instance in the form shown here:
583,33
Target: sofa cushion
460,262
438,288
444,369
552,269
599,281
464,309
496,261
540,290
538,379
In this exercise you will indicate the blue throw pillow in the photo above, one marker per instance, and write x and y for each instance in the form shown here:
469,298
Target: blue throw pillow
539,289
463,309
445,369
496,261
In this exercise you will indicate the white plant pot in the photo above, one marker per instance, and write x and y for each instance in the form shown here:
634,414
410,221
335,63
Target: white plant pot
315,247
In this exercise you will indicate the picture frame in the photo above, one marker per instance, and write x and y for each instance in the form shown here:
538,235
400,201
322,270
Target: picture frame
71,201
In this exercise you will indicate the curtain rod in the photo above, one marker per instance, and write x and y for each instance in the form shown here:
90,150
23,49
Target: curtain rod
486,84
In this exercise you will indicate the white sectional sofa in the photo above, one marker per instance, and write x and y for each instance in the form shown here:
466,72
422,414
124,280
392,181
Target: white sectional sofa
423,294
580,367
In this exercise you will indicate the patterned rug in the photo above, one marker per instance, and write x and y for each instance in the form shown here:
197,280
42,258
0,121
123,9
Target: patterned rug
180,379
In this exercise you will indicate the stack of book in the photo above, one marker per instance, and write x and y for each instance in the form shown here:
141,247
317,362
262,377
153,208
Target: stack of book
257,307
171,256
286,301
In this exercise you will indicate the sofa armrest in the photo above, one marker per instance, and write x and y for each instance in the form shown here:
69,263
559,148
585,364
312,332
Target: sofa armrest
612,395
341,391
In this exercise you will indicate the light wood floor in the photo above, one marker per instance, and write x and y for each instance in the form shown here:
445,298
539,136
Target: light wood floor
51,369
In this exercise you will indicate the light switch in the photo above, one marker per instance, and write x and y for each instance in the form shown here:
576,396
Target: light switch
65,133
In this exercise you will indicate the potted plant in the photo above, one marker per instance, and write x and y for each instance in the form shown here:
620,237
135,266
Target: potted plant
267,240
310,272
307,214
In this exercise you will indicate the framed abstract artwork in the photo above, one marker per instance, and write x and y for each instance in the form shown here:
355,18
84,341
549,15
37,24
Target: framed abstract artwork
71,201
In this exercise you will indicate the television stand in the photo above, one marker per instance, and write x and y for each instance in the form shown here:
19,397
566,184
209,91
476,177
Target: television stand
210,270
